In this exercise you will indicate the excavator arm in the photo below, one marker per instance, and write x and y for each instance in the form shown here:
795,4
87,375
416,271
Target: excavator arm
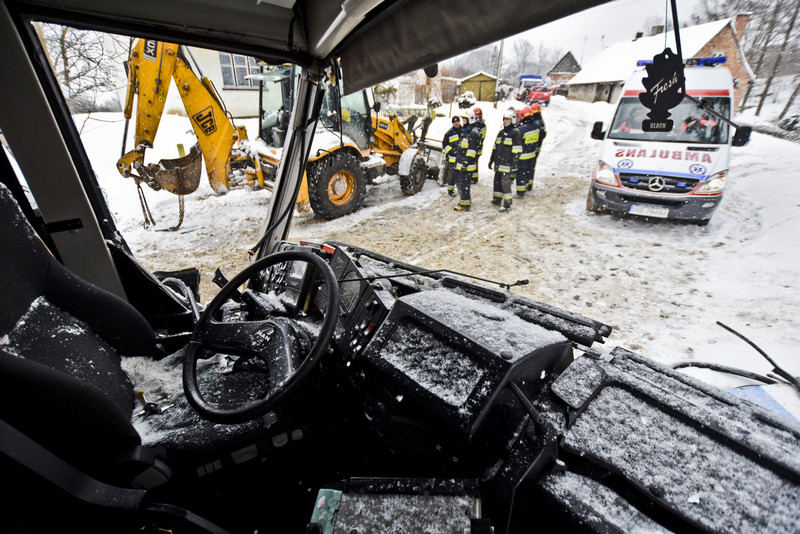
390,138
152,66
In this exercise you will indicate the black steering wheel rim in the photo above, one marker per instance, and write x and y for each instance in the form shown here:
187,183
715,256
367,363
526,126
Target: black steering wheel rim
258,408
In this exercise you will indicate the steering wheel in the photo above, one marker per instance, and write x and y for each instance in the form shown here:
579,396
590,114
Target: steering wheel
267,341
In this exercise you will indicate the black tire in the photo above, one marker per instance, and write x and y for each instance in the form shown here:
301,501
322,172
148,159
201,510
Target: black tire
337,185
591,205
417,175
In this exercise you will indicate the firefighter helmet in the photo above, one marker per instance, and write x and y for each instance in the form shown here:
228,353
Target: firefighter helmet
536,108
470,116
527,112
478,113
510,114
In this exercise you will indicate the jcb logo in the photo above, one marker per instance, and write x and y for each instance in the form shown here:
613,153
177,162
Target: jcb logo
150,50
205,119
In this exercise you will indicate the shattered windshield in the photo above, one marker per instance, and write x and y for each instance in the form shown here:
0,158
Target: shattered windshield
648,278
691,124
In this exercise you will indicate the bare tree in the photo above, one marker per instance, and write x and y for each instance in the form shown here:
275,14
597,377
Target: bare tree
765,42
769,21
789,102
481,59
532,58
81,63
779,57
522,53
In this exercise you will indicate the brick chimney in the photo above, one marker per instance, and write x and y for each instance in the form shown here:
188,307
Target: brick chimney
740,24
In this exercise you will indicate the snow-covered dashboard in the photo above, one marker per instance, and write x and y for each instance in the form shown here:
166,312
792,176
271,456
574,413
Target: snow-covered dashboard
479,384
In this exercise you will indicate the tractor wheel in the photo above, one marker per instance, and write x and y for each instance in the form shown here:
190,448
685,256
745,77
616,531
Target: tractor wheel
417,175
337,186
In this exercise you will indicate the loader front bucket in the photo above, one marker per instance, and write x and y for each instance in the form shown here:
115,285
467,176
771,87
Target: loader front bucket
180,176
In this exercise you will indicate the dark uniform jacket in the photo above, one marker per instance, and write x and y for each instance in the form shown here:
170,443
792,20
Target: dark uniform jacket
507,149
466,152
538,122
449,143
480,125
530,139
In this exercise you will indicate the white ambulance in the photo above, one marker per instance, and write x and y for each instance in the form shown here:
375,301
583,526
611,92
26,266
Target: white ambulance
678,174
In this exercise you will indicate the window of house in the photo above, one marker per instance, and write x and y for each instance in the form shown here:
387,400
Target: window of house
235,71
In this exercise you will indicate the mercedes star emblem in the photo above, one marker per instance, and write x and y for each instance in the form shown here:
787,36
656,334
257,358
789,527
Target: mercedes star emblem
656,183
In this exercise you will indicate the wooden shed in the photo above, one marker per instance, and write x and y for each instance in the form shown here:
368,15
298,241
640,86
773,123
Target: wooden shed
482,85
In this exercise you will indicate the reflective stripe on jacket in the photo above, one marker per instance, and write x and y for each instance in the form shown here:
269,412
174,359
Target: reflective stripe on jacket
449,143
466,152
530,138
507,149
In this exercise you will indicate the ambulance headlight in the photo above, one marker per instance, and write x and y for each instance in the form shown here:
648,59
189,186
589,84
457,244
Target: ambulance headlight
715,184
605,174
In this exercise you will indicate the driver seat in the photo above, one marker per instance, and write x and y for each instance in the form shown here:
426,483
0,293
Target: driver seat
66,404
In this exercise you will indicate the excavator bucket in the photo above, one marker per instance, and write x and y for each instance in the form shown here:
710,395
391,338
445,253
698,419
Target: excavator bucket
180,176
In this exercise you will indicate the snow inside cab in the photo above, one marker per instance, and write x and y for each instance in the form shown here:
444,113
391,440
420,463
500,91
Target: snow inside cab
677,174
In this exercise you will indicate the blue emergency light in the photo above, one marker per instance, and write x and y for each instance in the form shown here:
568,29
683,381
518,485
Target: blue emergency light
706,61
692,61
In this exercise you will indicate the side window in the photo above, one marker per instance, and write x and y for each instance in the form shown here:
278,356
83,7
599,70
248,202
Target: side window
153,148
355,117
237,71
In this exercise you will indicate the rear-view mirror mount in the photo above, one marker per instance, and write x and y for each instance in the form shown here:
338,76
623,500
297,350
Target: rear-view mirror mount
741,136
597,131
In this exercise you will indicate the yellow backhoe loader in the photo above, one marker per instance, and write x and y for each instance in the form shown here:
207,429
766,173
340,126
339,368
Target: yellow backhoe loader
151,67
352,146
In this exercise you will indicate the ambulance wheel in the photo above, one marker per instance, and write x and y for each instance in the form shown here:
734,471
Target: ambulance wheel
591,205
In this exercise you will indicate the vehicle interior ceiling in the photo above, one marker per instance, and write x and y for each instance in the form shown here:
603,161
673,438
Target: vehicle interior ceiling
154,314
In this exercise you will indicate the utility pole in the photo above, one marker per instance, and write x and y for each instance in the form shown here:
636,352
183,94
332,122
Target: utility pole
585,36
497,73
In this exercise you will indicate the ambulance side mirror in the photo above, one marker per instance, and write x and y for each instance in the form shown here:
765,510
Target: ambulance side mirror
741,136
597,131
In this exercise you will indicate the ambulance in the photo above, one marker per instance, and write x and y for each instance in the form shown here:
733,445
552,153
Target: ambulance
678,174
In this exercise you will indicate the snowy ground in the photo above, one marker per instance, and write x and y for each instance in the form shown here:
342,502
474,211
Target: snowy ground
661,285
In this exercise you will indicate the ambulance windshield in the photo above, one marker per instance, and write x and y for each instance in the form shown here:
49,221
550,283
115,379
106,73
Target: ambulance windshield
691,124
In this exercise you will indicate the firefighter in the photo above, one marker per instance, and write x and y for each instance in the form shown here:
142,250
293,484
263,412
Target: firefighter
480,125
539,122
466,156
505,157
449,143
530,137
709,128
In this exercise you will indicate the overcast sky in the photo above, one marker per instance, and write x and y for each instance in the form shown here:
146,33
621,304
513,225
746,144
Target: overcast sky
588,32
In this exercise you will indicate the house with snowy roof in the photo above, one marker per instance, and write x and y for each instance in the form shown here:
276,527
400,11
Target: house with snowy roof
602,78
563,71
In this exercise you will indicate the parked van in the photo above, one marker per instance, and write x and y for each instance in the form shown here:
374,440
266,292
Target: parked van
678,174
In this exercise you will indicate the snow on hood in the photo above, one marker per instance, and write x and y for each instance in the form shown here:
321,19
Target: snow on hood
499,330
